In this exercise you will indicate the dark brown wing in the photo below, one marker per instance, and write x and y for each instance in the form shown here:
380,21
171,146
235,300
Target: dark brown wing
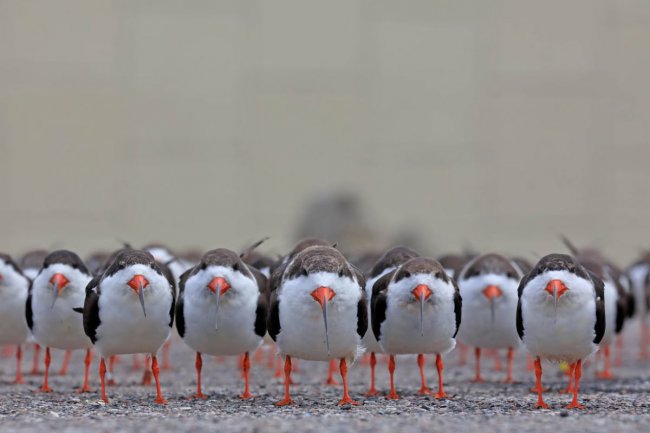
273,320
378,303
458,305
91,309
599,288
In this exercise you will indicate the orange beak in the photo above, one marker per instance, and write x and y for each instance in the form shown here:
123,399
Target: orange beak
218,286
492,292
58,281
219,282
138,283
422,292
556,288
323,295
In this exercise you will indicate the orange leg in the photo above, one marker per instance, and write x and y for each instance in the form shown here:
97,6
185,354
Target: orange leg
538,385
156,376
462,354
330,373
111,367
618,361
570,373
509,366
240,365
247,369
497,360
102,378
607,372
146,374
477,355
87,361
373,362
577,372
136,364
19,359
343,366
258,357
392,395
198,363
166,361
270,360
6,351
48,360
278,368
66,363
37,351
424,390
441,389
287,381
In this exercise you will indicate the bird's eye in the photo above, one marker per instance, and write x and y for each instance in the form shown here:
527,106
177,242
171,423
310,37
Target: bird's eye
341,273
121,266
46,265
406,274
75,266
152,266
303,272
235,267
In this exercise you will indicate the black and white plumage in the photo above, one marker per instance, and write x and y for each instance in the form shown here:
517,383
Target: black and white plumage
561,315
55,292
615,308
389,261
488,285
222,309
416,309
14,288
318,311
129,309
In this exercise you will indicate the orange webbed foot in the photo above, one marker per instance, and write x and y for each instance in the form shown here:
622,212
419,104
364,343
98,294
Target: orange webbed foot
392,396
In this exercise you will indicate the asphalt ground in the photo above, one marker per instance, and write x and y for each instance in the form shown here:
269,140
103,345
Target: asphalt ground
618,405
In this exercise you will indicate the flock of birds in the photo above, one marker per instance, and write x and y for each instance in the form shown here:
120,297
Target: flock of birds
316,304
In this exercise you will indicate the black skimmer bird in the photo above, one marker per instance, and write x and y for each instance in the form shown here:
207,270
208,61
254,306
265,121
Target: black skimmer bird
615,309
56,291
389,261
453,264
30,264
129,309
560,316
638,274
222,310
416,309
488,285
318,312
14,287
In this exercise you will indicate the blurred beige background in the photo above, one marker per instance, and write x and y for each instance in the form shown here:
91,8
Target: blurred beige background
492,124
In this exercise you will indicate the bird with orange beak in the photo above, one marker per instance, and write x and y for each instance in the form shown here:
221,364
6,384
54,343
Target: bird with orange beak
561,317
416,309
56,291
318,312
488,285
129,309
222,309
388,262
14,286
